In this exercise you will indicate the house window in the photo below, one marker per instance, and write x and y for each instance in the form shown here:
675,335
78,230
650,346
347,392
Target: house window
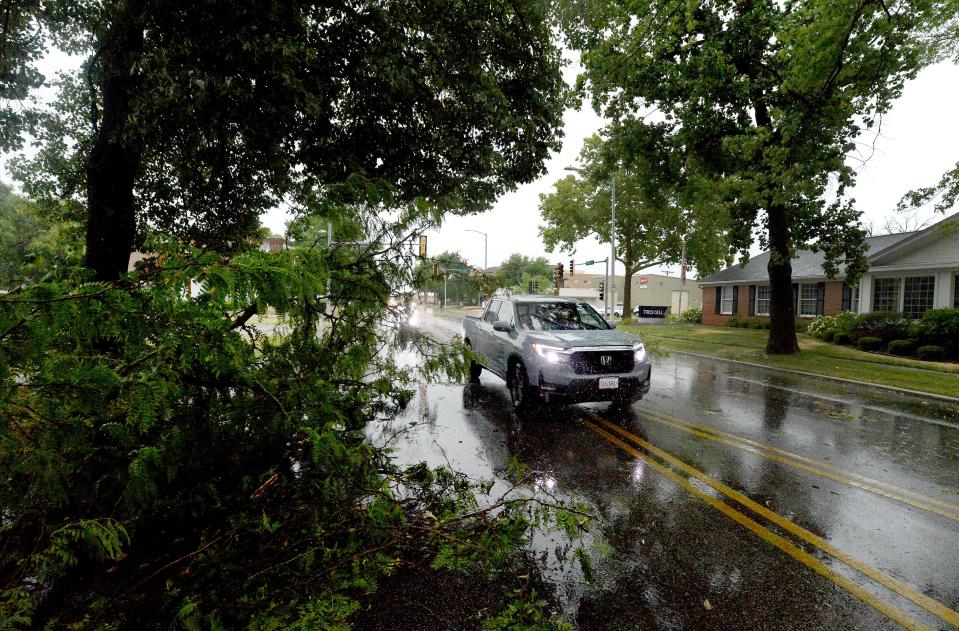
918,295
854,302
885,294
726,306
762,300
808,298
955,291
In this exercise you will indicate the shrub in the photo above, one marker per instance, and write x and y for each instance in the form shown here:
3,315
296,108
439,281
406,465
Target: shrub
693,316
734,322
822,325
829,335
801,326
901,347
758,323
931,352
869,343
939,327
845,320
886,325
842,338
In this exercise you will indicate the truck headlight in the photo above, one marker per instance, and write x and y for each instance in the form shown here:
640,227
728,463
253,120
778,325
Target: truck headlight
551,354
639,353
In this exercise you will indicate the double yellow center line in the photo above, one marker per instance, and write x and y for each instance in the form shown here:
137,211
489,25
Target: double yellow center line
649,454
945,508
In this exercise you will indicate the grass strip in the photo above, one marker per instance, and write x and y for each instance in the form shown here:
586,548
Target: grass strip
817,357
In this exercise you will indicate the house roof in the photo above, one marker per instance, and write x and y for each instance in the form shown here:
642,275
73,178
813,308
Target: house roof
806,263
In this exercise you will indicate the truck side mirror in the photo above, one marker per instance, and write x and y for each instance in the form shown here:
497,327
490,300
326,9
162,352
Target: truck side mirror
502,326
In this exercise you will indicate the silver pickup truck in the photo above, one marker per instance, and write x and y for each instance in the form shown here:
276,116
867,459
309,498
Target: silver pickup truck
556,349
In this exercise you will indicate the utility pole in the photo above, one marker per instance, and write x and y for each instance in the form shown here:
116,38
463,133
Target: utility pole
611,267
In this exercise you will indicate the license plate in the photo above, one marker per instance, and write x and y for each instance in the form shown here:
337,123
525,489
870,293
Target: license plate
608,383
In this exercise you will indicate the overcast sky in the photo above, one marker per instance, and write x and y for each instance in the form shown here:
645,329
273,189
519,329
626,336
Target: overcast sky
919,141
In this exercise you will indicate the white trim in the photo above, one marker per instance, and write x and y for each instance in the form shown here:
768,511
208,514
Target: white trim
912,266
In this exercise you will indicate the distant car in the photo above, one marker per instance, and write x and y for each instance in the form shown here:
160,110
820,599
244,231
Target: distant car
618,310
556,349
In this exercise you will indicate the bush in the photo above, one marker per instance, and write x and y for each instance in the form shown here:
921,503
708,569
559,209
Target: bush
931,352
693,316
842,338
821,326
939,327
845,320
829,335
802,326
886,325
734,322
901,347
869,343
758,323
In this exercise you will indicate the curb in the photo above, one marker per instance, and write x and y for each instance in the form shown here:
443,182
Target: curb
915,393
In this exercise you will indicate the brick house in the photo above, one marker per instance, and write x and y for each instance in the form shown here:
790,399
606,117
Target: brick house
909,272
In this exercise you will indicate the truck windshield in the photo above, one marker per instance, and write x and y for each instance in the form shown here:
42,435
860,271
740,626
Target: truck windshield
558,316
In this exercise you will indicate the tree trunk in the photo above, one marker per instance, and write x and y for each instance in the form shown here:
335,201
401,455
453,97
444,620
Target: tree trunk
116,153
782,315
628,295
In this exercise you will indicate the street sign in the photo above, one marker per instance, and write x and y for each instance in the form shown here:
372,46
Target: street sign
589,262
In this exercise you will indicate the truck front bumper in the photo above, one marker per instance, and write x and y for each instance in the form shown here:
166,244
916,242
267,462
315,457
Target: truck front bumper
563,388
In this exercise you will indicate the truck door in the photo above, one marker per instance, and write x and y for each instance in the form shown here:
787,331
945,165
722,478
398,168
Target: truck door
484,330
500,342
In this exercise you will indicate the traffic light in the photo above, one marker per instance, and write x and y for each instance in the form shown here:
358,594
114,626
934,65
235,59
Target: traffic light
572,267
423,246
530,287
436,269
535,282
602,290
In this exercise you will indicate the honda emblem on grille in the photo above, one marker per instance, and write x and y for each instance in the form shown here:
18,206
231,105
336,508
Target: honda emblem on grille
605,360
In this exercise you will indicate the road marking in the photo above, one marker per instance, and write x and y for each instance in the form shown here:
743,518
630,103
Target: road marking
895,585
818,468
885,608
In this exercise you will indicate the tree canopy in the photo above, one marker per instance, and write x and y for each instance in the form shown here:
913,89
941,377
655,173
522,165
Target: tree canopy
651,221
767,98
194,118
517,270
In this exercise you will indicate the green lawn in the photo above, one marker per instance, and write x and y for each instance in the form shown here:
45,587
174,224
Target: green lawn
816,357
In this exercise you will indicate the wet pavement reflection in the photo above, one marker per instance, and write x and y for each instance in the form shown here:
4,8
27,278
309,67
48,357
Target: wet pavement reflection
859,481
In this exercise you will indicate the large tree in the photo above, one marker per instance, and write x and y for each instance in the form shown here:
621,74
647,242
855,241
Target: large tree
519,267
656,211
769,97
194,118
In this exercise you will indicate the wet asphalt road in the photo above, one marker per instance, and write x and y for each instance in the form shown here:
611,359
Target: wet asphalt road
729,498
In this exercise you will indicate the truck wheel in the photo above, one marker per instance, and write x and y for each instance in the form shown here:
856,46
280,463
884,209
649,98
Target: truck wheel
475,369
522,396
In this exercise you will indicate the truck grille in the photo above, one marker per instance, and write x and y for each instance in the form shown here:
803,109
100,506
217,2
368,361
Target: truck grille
591,362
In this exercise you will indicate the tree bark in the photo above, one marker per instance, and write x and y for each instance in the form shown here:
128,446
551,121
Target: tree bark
782,315
116,154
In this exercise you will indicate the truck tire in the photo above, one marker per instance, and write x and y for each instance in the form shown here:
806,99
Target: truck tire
523,397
